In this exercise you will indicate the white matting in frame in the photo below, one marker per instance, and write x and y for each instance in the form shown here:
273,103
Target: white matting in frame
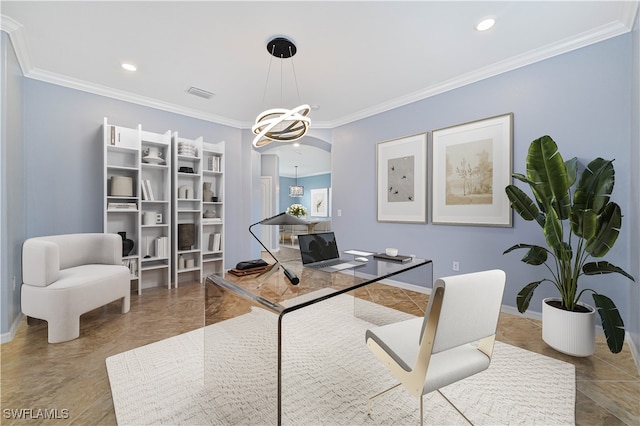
401,171
319,202
472,165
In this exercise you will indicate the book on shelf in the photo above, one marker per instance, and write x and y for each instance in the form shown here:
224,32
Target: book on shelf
149,190
162,247
213,163
122,206
211,220
215,242
132,264
145,192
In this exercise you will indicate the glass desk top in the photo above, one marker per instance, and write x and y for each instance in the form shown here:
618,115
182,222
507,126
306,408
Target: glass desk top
267,291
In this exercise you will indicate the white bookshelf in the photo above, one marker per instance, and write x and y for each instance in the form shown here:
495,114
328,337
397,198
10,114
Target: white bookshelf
126,154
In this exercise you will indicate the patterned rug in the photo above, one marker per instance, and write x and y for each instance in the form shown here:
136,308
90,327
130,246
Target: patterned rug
328,375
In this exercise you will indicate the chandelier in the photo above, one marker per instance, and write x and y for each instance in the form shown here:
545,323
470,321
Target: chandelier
295,190
281,124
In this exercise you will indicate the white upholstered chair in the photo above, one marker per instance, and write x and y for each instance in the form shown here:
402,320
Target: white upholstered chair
453,341
65,276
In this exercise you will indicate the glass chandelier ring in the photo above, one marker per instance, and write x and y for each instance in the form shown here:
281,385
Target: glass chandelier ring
280,124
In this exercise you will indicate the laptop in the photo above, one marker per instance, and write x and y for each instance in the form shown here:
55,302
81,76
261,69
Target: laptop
320,251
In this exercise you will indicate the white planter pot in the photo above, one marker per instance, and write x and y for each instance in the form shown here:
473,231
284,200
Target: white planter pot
572,333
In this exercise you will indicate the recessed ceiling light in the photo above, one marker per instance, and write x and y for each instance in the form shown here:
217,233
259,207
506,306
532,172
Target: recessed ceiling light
485,24
128,67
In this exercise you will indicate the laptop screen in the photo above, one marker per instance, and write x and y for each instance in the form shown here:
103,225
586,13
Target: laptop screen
318,247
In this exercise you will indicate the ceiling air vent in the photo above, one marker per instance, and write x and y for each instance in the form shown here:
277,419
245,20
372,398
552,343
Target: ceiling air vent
200,92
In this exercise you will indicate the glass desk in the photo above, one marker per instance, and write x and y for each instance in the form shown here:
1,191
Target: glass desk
230,295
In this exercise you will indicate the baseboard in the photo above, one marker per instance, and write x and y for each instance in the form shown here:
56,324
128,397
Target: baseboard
407,286
7,337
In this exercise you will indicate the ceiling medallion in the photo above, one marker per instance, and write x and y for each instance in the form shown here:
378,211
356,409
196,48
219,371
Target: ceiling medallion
281,124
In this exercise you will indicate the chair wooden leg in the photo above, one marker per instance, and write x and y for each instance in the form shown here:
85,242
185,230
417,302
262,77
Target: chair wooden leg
379,395
421,411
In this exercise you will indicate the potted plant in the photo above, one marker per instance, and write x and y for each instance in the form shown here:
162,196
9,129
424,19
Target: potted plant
579,222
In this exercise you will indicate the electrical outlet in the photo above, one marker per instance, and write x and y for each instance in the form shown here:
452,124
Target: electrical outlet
339,212
456,265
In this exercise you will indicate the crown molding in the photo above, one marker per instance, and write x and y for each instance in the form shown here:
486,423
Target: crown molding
18,40
564,46
622,26
61,80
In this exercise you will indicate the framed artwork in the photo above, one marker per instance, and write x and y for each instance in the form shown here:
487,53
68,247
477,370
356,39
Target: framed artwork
401,172
319,202
472,165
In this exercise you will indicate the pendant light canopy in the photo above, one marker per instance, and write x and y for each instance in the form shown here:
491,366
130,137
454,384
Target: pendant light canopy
296,190
281,124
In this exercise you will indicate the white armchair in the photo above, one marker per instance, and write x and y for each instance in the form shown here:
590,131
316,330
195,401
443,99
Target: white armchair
65,276
453,341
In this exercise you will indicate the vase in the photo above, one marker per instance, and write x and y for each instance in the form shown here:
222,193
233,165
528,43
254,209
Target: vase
127,244
186,236
207,193
572,333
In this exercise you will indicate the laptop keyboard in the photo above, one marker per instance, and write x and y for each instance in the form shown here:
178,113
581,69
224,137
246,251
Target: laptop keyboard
326,263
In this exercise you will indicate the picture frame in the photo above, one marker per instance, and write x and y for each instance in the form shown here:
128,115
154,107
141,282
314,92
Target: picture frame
401,179
319,202
471,166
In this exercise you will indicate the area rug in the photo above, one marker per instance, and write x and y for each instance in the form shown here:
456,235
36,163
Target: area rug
225,374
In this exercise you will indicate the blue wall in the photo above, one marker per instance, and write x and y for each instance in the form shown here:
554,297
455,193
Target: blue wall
582,99
12,196
309,183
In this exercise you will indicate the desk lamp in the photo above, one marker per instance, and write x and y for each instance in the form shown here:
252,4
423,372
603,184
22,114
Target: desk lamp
279,219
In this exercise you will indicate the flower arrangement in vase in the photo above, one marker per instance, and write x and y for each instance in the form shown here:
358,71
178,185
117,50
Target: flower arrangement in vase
297,210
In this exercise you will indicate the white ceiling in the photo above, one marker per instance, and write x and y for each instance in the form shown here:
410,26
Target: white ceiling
354,59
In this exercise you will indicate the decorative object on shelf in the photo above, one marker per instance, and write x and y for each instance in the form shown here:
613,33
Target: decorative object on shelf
152,155
281,124
187,149
149,218
297,210
296,190
127,244
121,186
209,214
186,236
402,179
577,225
181,262
471,164
207,193
185,169
184,192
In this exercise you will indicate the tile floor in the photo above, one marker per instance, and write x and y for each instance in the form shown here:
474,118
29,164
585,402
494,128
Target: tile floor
72,376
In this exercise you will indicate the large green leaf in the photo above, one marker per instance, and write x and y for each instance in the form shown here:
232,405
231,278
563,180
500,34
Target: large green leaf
595,186
553,231
524,296
535,256
612,323
609,223
598,268
572,170
546,168
523,204
584,223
